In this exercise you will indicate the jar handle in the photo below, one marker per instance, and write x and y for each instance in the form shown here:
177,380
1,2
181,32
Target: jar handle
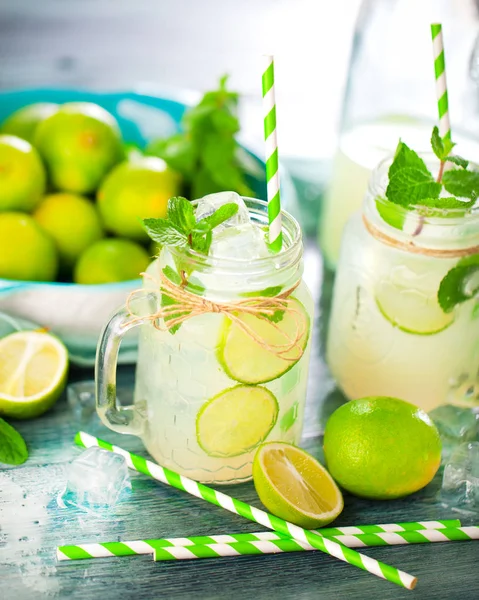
123,419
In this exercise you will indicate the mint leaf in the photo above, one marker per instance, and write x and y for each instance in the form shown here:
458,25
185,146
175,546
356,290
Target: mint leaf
405,157
201,242
181,213
390,214
459,161
268,292
165,233
444,204
222,214
167,300
13,450
441,147
462,183
172,275
408,185
459,284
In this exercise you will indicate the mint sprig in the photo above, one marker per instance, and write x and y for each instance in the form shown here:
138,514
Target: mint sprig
181,229
412,186
13,450
459,284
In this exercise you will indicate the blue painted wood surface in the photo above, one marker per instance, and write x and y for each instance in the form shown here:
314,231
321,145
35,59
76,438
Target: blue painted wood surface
32,525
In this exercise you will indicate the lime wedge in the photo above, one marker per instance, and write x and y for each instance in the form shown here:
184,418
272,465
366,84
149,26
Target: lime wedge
246,361
33,371
295,486
236,421
410,310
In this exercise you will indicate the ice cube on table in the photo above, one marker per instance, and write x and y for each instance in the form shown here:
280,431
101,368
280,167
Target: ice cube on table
456,425
209,204
96,480
460,484
245,241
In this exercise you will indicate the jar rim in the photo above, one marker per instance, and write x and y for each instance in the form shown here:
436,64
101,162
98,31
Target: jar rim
285,258
449,216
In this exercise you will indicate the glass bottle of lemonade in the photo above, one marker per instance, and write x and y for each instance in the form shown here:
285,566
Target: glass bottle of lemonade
232,370
405,319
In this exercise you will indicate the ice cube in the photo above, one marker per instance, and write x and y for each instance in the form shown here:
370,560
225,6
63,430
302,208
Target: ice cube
96,480
456,425
460,484
245,241
209,204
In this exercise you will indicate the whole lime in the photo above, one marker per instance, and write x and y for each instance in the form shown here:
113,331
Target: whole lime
26,252
22,175
381,447
133,191
73,223
111,260
24,121
80,143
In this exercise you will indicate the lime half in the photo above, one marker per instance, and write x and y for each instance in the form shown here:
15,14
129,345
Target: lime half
236,421
410,310
33,371
246,361
293,485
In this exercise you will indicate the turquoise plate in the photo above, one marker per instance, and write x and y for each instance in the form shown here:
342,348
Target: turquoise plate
75,312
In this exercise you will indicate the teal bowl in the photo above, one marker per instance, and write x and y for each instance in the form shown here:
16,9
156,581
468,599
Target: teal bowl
77,313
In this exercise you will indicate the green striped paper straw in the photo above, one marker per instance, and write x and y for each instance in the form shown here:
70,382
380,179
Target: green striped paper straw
441,83
327,545
247,548
130,548
271,143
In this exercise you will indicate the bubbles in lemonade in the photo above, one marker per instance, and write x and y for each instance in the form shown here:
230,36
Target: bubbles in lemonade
214,393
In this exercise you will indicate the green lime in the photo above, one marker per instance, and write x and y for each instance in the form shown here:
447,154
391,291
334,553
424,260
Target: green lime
293,485
24,121
80,143
411,310
22,175
381,447
246,361
236,420
133,191
26,251
73,223
33,373
109,261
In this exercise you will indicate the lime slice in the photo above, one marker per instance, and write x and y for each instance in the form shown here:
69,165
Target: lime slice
244,360
33,371
236,421
295,486
410,310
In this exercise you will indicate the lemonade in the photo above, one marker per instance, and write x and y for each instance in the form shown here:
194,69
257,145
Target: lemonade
212,389
389,334
360,149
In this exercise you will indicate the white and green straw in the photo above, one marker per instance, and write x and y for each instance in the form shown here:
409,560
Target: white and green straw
316,540
368,536
441,83
272,164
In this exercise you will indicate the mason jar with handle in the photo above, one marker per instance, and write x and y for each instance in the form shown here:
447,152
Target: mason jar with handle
223,357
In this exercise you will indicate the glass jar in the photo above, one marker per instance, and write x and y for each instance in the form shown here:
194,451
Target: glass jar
390,94
388,335
211,390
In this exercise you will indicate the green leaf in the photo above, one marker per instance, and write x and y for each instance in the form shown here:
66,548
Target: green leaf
222,214
444,205
460,284
181,213
464,184
389,213
405,157
172,275
167,300
409,185
165,232
268,292
13,450
459,161
441,147
201,242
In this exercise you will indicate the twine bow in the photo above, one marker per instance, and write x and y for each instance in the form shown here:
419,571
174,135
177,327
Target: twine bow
184,305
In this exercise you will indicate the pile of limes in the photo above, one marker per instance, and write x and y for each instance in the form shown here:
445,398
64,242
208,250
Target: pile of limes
71,201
